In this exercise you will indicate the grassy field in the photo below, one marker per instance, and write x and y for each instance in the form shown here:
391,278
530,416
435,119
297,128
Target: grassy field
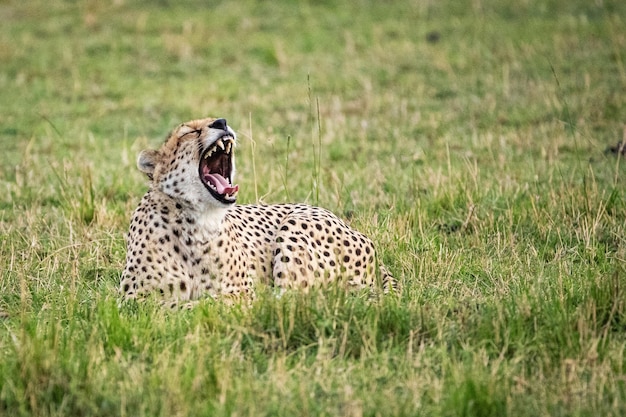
468,140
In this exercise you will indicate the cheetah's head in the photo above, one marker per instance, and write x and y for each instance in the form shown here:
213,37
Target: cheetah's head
196,164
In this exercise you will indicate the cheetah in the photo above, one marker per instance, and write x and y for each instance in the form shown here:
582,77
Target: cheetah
188,239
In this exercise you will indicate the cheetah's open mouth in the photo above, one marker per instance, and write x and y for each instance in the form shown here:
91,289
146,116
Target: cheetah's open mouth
216,166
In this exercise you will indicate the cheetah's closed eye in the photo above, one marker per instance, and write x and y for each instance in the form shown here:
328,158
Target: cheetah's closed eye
189,239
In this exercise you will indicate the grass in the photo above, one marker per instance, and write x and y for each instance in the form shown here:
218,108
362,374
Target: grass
468,140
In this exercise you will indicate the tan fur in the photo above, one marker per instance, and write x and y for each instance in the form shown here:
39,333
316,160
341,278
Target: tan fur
184,244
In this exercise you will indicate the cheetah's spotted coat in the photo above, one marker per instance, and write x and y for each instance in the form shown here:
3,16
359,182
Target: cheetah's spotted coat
187,238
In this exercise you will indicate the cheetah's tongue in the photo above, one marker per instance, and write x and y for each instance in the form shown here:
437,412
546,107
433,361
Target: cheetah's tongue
222,186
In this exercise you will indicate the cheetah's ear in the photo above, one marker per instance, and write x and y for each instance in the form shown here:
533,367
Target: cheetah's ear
147,161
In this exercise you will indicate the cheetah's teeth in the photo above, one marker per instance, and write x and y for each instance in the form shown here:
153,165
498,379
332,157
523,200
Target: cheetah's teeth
229,145
209,153
220,143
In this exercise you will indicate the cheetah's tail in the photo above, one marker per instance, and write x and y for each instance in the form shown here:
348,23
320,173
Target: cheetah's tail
390,284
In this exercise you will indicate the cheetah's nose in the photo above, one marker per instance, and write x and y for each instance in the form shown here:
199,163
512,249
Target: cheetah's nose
218,124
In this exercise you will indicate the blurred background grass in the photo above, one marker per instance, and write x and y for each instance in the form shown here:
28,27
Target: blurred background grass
467,138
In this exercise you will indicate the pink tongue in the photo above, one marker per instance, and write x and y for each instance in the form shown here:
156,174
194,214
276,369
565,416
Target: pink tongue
221,184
